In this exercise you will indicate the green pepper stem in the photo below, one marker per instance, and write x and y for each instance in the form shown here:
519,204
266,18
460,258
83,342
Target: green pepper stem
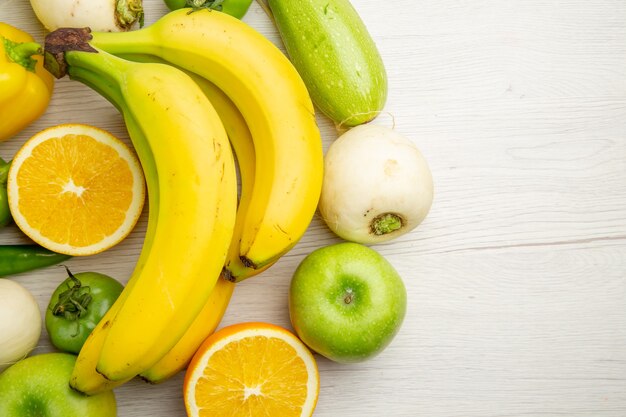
21,53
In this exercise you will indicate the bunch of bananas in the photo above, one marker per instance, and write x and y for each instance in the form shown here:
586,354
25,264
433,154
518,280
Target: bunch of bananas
186,86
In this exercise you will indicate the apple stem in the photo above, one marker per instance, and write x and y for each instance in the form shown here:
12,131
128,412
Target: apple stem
348,298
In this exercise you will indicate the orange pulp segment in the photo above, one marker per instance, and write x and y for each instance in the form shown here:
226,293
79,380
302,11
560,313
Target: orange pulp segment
252,369
75,189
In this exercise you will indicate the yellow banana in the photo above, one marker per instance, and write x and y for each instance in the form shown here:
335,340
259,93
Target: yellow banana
204,325
274,101
195,211
211,315
242,142
84,377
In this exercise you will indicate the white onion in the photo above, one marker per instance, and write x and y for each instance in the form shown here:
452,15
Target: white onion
99,15
20,323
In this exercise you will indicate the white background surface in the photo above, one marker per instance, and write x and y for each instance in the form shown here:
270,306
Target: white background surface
517,279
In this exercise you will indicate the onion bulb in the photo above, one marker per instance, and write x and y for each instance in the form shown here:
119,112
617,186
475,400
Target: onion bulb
377,185
20,323
98,15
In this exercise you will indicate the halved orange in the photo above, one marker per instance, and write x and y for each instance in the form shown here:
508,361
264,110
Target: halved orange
252,369
75,189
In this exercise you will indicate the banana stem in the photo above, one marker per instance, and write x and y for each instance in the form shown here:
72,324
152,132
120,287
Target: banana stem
67,48
60,41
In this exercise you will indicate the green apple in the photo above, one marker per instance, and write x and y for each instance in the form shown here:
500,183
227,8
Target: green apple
346,302
38,386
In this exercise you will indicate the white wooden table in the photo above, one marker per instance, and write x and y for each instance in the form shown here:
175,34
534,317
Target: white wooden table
517,279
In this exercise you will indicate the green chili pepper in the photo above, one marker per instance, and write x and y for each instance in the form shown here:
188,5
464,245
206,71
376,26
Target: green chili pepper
235,8
15,259
76,307
5,213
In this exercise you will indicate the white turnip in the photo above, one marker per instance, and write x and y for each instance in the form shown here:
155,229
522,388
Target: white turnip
377,185
20,323
98,15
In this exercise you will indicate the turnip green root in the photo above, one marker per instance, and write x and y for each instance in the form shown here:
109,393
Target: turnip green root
99,15
377,185
20,323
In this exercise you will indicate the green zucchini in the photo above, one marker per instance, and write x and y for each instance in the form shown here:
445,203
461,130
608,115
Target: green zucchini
336,57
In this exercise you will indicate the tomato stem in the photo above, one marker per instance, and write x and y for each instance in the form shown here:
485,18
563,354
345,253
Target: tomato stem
74,301
204,4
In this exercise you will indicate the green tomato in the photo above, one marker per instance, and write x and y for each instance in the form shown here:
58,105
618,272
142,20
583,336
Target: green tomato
76,307
235,8
38,386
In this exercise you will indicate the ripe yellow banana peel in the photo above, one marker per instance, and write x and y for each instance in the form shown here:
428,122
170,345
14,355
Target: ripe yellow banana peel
211,315
203,326
243,145
85,378
275,104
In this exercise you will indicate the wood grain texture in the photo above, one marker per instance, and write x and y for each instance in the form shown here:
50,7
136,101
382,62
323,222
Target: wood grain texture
517,278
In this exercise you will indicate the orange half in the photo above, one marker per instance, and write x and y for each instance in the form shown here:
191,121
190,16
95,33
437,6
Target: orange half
252,369
75,189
